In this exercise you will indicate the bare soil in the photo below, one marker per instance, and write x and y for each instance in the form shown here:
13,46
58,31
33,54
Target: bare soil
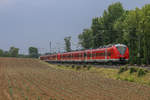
29,79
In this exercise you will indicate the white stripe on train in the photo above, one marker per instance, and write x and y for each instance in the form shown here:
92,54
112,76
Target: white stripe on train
102,60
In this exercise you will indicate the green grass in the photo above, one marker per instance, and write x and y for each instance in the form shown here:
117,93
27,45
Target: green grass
39,98
26,98
10,91
123,69
10,88
139,76
133,70
78,67
133,74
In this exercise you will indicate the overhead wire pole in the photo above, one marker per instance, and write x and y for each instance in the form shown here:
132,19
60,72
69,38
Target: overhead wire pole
50,44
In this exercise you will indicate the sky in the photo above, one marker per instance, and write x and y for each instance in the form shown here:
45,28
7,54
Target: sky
25,23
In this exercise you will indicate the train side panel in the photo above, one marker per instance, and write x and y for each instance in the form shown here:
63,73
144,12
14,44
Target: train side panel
113,53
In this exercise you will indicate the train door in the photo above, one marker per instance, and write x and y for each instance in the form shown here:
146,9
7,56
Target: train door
58,57
85,56
105,54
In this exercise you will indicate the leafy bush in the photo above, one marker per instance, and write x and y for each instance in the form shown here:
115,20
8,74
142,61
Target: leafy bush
118,77
141,72
131,79
84,66
78,67
89,67
126,79
133,69
149,83
58,65
143,61
123,69
126,68
146,70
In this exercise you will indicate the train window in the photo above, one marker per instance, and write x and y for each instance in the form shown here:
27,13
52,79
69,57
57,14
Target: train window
75,55
100,54
90,55
109,54
121,49
93,54
97,54
85,55
80,54
103,54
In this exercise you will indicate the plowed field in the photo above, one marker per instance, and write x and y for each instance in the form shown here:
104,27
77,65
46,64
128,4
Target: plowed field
29,79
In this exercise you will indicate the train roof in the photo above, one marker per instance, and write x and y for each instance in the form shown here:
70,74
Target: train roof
120,45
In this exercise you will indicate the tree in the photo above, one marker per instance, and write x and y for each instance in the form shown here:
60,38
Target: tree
119,28
1,52
6,54
145,30
13,51
33,52
97,32
67,43
102,28
113,13
131,36
85,38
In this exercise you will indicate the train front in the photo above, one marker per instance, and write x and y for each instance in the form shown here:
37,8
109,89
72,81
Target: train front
122,52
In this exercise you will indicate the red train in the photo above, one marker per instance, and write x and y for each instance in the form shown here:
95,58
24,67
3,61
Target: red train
110,53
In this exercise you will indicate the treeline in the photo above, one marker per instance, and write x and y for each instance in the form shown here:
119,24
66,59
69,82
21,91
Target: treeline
117,25
14,52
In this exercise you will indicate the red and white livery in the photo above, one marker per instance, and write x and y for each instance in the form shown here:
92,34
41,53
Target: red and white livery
110,53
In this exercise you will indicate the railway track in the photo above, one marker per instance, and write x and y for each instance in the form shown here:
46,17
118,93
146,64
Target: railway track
97,65
116,66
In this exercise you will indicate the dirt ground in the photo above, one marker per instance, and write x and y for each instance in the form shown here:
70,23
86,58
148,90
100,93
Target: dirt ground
29,79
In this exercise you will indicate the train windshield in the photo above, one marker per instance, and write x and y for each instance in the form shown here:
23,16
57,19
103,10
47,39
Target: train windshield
121,49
